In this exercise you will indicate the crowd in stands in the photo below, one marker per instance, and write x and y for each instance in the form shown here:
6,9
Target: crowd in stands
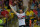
35,7
5,5
33,11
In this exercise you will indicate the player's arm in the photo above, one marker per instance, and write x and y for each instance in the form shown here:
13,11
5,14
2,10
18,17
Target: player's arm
13,9
25,10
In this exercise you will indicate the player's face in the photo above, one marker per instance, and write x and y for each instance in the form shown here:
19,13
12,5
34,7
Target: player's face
20,11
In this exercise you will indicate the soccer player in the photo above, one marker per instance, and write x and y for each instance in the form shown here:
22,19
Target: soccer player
21,16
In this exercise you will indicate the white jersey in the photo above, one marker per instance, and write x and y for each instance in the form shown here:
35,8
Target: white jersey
21,21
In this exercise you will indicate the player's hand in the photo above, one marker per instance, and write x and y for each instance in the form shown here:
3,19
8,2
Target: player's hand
9,4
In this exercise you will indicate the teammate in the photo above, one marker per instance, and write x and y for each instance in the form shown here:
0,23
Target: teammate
21,16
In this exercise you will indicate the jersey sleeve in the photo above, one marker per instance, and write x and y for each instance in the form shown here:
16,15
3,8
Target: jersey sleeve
17,14
24,13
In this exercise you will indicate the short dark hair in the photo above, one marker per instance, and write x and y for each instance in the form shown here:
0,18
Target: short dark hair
21,9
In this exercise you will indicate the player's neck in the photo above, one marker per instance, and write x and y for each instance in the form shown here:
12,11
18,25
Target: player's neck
20,13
